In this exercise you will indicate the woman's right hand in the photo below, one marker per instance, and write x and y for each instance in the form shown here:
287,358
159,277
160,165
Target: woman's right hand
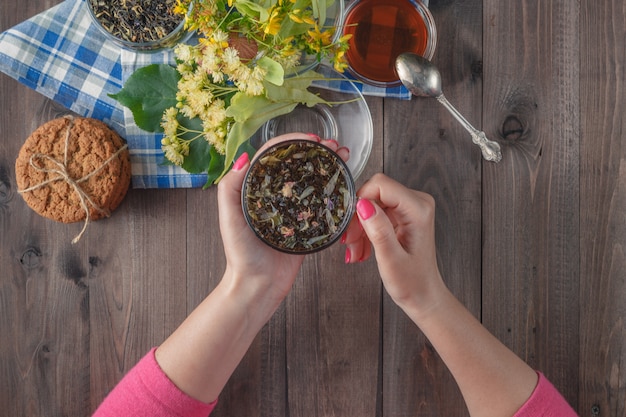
400,225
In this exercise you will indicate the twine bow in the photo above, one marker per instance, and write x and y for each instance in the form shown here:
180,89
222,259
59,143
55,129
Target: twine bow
63,175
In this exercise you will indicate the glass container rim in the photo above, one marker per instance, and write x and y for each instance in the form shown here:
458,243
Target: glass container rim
349,181
177,35
429,52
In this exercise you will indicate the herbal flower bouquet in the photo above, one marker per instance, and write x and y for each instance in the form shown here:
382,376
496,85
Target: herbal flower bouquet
241,73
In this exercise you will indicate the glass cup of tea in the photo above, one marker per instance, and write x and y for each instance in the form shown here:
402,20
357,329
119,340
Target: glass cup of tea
383,29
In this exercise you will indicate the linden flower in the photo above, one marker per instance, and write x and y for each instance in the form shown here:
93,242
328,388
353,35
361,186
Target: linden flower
243,47
220,37
174,149
170,122
215,114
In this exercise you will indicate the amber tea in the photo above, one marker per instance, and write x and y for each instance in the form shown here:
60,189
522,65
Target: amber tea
383,29
298,196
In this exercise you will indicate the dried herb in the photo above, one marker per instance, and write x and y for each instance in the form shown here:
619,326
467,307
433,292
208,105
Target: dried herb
138,21
298,196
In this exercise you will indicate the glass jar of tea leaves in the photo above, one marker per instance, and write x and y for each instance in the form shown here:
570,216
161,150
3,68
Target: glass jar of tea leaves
298,196
139,25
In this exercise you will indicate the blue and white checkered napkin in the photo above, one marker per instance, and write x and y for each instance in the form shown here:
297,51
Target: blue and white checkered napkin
62,55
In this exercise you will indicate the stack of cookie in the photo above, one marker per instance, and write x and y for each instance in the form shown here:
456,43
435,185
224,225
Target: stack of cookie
73,169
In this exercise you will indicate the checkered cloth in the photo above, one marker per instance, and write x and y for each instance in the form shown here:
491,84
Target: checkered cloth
62,55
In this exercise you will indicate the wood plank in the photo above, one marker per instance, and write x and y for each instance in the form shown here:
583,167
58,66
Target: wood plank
260,377
431,152
603,204
544,78
531,199
332,319
139,288
88,304
43,296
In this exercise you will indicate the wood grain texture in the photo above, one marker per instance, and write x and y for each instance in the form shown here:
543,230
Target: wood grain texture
430,151
531,199
534,246
332,333
602,389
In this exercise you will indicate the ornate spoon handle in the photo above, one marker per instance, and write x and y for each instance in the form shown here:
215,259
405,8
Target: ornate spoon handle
490,149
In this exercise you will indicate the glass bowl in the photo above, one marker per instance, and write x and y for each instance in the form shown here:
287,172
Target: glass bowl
298,196
348,121
178,34
383,29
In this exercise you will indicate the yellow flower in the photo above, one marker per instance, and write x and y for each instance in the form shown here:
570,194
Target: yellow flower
345,38
320,39
181,7
294,16
340,65
273,24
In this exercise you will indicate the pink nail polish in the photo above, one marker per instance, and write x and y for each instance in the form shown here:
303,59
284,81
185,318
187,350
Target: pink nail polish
314,136
241,162
348,255
343,238
365,208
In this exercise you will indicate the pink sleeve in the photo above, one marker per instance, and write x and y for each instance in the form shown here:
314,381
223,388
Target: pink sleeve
545,401
147,391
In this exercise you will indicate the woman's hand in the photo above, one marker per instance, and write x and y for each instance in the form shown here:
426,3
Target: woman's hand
201,355
247,256
400,224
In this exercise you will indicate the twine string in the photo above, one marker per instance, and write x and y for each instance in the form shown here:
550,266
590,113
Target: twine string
61,171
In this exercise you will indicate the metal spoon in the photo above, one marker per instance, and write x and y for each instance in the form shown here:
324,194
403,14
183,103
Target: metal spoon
422,79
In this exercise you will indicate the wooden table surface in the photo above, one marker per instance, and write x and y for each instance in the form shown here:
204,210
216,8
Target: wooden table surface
535,245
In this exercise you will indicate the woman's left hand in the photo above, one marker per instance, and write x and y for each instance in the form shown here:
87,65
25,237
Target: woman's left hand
247,257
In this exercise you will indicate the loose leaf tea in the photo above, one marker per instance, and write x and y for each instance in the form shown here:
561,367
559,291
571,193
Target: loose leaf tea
298,196
137,21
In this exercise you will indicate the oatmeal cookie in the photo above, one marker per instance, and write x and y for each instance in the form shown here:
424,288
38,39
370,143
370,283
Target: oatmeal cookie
70,165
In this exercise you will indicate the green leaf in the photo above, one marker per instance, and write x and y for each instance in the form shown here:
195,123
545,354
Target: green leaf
217,163
275,71
319,12
253,10
298,95
200,156
215,168
148,92
296,89
242,130
304,80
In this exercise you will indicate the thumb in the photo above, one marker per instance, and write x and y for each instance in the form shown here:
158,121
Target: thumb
379,229
229,188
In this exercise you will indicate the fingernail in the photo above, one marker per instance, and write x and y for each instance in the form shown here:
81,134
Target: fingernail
241,162
334,142
314,136
348,255
343,238
365,208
